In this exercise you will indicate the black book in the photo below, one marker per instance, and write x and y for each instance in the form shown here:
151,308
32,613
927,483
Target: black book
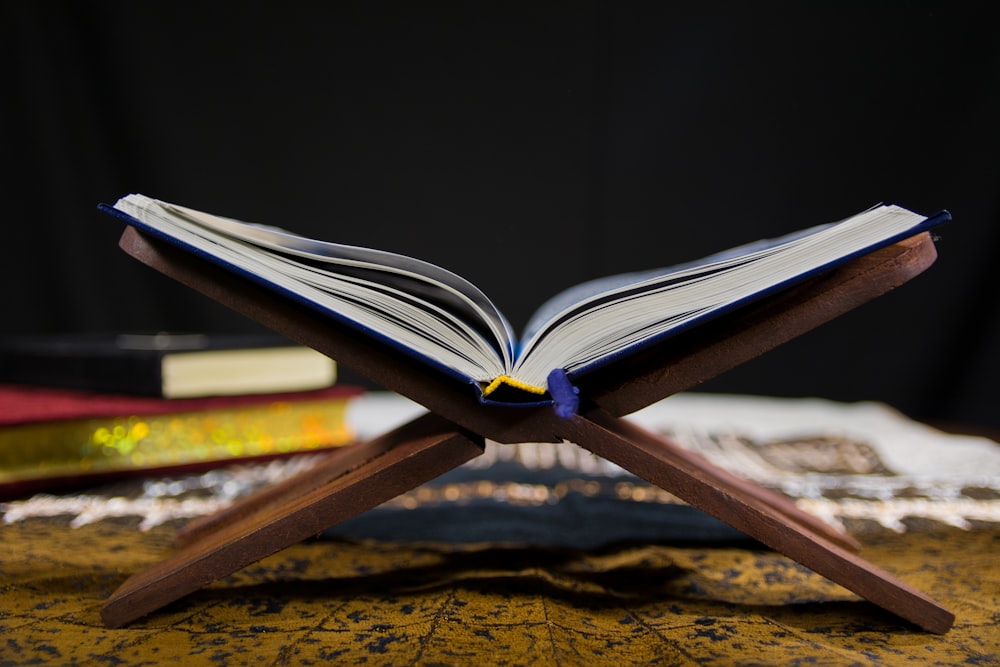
165,365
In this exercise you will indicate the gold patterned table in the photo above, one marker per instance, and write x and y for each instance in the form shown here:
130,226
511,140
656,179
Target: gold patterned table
386,603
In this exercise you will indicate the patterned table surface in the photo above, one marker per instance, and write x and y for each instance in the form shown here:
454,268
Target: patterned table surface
385,603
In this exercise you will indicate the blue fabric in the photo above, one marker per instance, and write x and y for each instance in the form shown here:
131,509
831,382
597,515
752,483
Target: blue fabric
565,397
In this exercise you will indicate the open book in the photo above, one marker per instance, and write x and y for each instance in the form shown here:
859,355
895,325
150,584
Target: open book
448,323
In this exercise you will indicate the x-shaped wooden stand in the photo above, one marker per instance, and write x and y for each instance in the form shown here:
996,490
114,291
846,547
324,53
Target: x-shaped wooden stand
354,479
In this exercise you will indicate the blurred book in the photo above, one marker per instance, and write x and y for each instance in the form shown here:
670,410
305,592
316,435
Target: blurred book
54,439
166,365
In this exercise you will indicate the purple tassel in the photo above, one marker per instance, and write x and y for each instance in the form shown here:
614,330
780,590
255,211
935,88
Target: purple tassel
565,396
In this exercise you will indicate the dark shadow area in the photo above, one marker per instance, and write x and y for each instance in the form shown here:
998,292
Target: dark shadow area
527,149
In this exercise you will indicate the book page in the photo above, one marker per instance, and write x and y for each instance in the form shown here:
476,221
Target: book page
401,272
451,339
587,334
609,284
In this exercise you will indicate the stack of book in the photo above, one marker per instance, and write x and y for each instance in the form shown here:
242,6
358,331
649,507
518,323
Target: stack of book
80,410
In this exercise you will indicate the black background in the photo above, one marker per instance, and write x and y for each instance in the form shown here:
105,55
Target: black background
526,146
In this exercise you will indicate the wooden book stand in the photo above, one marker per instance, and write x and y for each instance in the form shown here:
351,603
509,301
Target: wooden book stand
351,480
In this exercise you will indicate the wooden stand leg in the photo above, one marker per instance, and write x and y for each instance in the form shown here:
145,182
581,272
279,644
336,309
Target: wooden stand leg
339,488
653,459
357,478
331,466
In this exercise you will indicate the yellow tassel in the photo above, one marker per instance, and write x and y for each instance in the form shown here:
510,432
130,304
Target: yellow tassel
517,384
